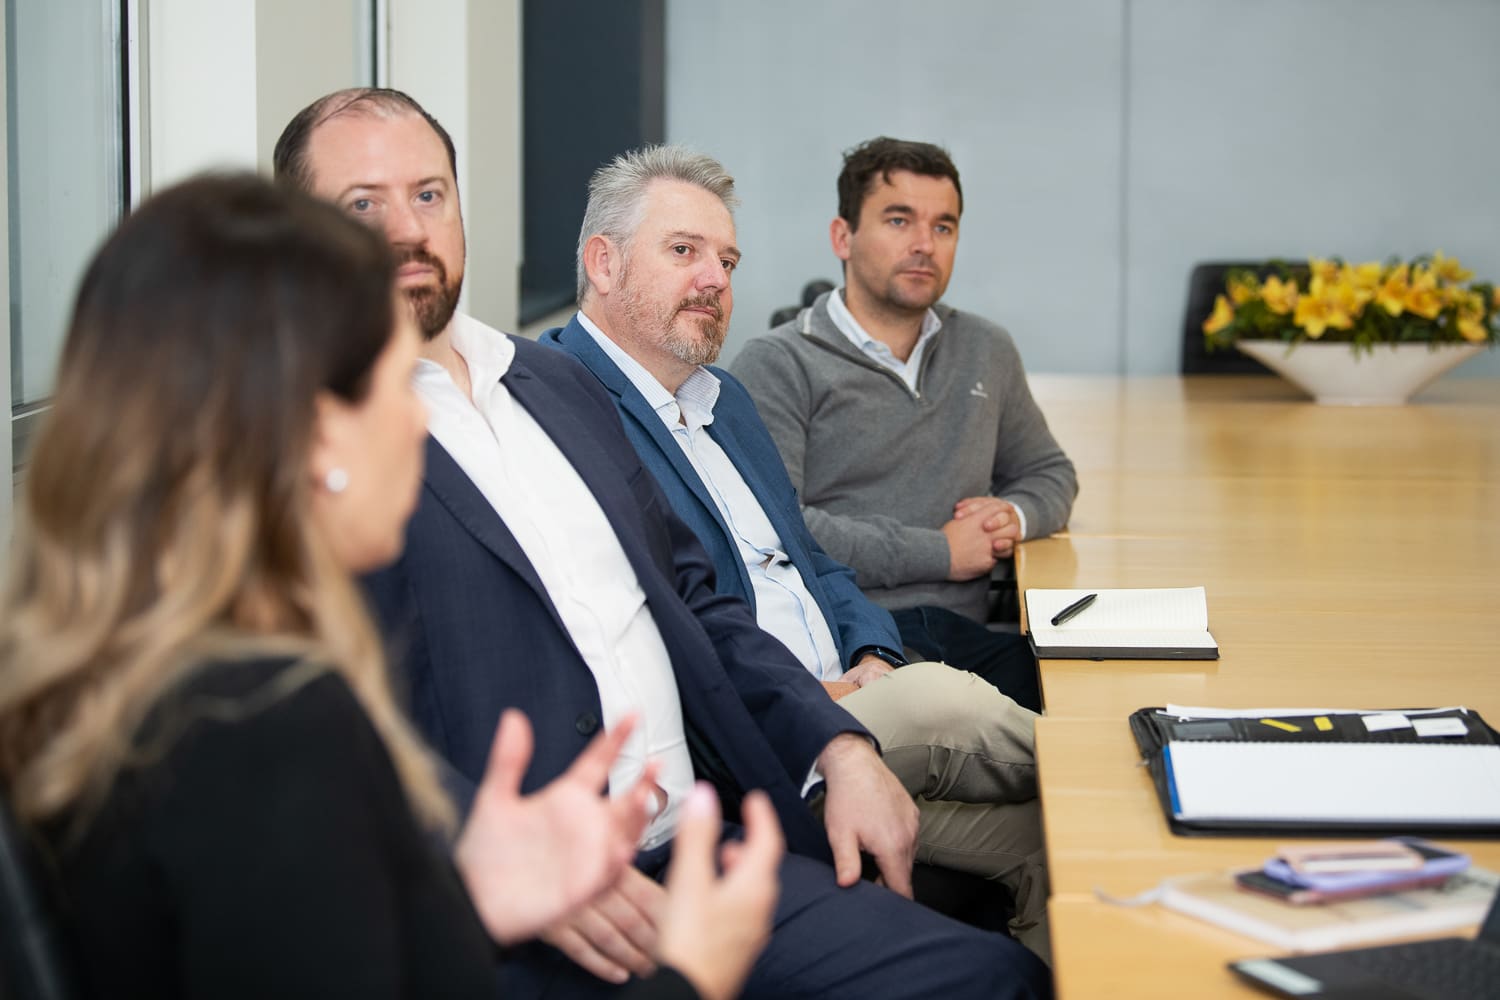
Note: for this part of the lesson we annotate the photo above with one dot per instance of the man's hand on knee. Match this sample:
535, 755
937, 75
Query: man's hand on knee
869, 669
866, 808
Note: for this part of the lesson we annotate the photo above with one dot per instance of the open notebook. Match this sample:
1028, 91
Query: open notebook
1165, 624
1433, 785
1323, 771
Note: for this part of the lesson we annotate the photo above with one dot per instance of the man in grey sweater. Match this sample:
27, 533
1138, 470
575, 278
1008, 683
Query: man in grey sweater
907, 427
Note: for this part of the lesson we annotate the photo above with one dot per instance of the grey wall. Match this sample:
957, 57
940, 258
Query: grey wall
1105, 145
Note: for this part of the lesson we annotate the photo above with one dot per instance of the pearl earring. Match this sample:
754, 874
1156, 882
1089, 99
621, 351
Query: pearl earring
337, 481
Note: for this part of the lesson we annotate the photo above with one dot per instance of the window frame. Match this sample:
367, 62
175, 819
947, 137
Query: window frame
124, 35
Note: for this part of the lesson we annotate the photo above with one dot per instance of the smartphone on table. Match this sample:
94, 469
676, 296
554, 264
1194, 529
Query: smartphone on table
1278, 877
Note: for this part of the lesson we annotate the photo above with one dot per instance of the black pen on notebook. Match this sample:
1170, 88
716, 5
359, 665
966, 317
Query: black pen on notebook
1073, 609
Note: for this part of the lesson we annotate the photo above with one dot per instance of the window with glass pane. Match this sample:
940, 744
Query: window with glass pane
65, 131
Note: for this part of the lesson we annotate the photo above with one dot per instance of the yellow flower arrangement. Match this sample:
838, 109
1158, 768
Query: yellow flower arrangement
1426, 300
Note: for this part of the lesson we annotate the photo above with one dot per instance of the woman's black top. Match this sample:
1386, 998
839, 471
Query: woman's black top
262, 845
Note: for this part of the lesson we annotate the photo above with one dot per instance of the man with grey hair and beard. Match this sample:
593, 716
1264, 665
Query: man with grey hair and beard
656, 258
544, 571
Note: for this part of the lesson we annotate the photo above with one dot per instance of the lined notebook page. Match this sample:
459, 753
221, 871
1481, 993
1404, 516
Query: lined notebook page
1176, 609
1378, 782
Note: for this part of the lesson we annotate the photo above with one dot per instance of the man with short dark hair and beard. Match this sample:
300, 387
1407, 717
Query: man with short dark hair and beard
906, 425
656, 258
544, 570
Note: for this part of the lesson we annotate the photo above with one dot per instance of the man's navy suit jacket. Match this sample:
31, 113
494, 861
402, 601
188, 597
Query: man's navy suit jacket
473, 626
855, 619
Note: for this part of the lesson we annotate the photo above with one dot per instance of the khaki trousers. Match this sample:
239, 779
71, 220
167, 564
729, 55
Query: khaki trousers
967, 754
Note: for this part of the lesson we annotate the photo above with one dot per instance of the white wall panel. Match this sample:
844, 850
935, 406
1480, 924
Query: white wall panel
201, 87
303, 50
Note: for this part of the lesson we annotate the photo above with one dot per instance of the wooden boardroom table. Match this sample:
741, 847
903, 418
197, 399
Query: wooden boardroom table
1351, 558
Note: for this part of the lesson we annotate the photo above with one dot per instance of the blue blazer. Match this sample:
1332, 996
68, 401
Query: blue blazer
477, 633
857, 621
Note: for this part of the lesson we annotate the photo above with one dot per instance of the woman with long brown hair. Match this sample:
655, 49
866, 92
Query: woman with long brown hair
195, 717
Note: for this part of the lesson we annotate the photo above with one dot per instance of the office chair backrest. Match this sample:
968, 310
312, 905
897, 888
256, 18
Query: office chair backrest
33, 959
784, 315
810, 293
813, 289
1206, 282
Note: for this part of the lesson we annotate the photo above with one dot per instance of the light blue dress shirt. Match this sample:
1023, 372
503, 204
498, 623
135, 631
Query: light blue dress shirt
784, 606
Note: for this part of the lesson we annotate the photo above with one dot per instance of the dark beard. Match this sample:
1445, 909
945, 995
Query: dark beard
897, 299
434, 307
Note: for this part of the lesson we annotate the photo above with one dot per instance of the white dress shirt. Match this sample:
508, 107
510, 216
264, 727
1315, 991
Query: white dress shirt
568, 540
907, 371
784, 606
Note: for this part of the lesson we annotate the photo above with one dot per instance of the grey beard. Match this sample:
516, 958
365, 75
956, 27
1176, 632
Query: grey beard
696, 352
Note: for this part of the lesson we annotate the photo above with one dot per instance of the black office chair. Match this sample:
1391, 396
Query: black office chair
810, 293
35, 963
1003, 601
784, 315
1206, 282
813, 289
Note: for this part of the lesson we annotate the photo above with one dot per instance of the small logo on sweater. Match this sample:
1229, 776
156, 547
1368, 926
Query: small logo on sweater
978, 390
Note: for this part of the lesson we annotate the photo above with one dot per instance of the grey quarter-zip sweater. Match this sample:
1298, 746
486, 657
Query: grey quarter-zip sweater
879, 467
